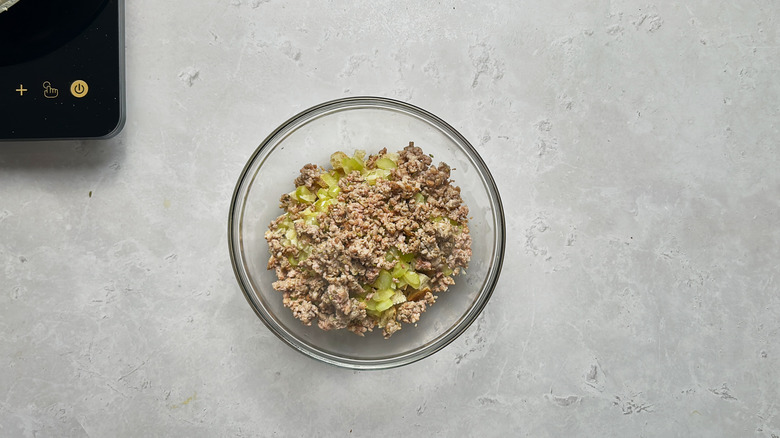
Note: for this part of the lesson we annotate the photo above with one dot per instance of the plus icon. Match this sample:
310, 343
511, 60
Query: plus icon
21, 90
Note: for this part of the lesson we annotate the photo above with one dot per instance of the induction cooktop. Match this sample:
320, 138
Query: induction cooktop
61, 69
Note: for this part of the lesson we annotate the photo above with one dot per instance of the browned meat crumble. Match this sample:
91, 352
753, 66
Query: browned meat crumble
369, 243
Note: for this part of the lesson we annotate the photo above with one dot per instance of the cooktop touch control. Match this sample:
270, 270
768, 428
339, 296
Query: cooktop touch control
57, 81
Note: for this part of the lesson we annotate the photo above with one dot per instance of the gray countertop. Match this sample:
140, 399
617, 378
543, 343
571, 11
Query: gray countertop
635, 145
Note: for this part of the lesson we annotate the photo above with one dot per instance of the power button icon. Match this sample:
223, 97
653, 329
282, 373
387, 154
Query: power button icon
79, 88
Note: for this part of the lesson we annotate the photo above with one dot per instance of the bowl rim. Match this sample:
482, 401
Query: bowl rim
433, 346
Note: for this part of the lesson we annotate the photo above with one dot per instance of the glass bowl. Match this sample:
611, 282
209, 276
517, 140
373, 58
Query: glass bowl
368, 123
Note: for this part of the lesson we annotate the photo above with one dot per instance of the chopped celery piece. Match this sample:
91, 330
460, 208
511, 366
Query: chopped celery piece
384, 281
322, 193
446, 271
392, 254
370, 305
398, 297
413, 279
424, 280
333, 192
373, 313
350, 165
373, 175
419, 198
379, 173
337, 158
329, 179
399, 270
323, 204
291, 235
304, 195
401, 284
407, 258
385, 163
360, 155
309, 217
383, 295
384, 305
292, 260
371, 178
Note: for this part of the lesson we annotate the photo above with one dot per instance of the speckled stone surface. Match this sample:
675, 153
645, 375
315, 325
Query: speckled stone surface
636, 148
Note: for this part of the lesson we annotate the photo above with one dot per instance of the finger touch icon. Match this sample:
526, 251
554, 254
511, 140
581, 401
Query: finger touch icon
50, 92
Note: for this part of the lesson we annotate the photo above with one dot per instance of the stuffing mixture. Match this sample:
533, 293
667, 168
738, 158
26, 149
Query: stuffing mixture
369, 242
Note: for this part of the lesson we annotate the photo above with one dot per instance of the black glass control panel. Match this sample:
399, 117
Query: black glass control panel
62, 69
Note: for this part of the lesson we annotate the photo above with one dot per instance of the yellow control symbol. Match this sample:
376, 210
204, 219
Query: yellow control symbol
50, 92
79, 88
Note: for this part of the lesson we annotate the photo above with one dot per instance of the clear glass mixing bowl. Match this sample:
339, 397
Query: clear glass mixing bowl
368, 123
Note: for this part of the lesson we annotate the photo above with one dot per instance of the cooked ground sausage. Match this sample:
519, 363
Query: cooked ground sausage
370, 242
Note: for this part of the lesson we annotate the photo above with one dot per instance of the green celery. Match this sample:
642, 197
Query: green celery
323, 204
384, 305
350, 165
337, 158
399, 270
412, 279
382, 295
407, 258
329, 179
304, 195
386, 163
291, 236
392, 254
398, 297
384, 280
